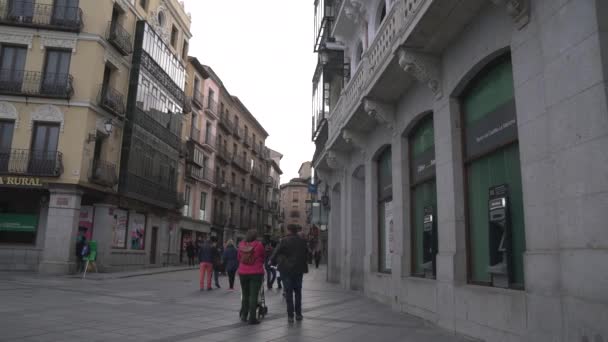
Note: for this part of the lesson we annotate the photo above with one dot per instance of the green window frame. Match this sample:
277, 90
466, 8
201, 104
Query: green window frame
423, 195
492, 159
385, 200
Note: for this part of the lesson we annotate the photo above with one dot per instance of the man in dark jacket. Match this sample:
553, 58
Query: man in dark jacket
206, 254
290, 256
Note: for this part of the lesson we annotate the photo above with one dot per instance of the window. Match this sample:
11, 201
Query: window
12, 63
18, 219
143, 4
187, 212
21, 9
202, 214
185, 50
65, 12
174, 36
161, 19
358, 53
43, 154
493, 173
56, 72
6, 139
295, 196
294, 214
381, 14
385, 211
197, 85
423, 194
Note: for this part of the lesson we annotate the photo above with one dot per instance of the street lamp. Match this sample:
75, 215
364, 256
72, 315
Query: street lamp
108, 126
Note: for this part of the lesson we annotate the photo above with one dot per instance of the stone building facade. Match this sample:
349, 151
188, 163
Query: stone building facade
463, 149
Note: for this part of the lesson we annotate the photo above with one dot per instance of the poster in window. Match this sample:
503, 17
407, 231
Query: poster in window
389, 233
119, 228
137, 231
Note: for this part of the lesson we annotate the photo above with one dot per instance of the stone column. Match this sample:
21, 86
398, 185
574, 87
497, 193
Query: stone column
58, 256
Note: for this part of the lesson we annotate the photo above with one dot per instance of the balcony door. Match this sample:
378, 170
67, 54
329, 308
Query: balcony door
21, 11
43, 154
12, 63
56, 72
6, 138
65, 12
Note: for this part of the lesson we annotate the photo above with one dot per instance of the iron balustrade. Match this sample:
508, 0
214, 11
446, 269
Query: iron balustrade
152, 191
195, 134
31, 162
47, 16
120, 38
211, 105
225, 122
247, 140
209, 141
238, 131
36, 84
111, 100
240, 161
142, 119
104, 173
187, 108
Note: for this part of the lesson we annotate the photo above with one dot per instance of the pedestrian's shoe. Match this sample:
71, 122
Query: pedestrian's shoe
218, 286
299, 318
290, 319
202, 289
209, 289
253, 322
243, 319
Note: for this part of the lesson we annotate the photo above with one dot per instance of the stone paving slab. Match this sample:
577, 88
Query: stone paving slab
169, 307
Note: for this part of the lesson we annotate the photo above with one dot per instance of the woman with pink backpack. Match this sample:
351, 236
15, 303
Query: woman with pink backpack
251, 255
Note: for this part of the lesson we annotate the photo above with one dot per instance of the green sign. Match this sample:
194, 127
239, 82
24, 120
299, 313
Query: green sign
18, 222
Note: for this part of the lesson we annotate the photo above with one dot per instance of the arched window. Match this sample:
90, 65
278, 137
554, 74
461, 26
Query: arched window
495, 214
423, 192
359, 53
385, 210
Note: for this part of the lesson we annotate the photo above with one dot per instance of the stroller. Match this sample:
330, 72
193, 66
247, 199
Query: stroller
262, 309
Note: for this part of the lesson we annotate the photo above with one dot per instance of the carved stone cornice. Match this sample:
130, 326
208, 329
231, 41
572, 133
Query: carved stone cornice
354, 138
423, 67
335, 160
47, 113
383, 113
519, 10
16, 38
8, 111
60, 42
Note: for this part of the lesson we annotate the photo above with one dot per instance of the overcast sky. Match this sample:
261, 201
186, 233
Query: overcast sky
262, 51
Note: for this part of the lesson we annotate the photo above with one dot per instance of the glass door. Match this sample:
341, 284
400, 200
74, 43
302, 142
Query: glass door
12, 63
43, 154
6, 138
65, 12
56, 72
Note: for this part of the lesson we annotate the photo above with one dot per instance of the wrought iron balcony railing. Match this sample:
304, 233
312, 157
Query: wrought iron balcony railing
225, 122
36, 84
104, 173
222, 152
240, 162
151, 191
144, 120
238, 131
211, 106
198, 99
209, 141
111, 100
48, 16
199, 173
120, 38
31, 162
195, 134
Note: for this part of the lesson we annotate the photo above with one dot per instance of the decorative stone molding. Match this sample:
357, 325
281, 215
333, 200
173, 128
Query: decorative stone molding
162, 29
47, 113
16, 38
123, 4
58, 42
335, 160
113, 58
355, 10
353, 138
519, 10
8, 111
423, 67
382, 112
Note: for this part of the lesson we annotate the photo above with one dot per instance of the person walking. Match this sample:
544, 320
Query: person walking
290, 256
205, 257
81, 243
231, 262
271, 273
190, 249
217, 263
251, 274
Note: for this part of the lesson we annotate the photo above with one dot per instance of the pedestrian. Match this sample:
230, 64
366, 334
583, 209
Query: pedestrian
251, 273
81, 243
190, 249
290, 256
205, 257
271, 272
316, 252
231, 262
217, 263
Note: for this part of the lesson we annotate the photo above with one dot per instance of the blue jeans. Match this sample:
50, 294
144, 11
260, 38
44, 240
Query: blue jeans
293, 286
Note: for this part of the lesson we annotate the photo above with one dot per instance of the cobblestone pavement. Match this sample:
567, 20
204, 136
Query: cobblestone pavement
169, 307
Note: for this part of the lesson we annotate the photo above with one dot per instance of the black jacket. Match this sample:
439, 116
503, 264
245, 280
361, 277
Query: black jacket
291, 255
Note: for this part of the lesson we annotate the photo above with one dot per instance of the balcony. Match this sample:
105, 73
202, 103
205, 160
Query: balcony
150, 191
210, 106
31, 163
221, 185
41, 16
234, 189
240, 162
195, 134
324, 19
258, 174
247, 141
104, 173
119, 38
198, 99
200, 174
223, 154
111, 100
265, 152
238, 131
225, 122
187, 108
151, 125
209, 142
36, 84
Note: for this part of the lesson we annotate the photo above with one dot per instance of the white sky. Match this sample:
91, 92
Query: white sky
263, 52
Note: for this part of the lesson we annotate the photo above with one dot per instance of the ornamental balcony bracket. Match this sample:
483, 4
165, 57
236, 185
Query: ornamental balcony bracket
335, 160
519, 10
355, 139
423, 67
354, 10
382, 112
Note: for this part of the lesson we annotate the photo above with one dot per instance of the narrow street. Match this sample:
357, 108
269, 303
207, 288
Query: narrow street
169, 307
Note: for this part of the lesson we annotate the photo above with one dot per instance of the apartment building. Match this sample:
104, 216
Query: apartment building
272, 209
294, 197
460, 144
69, 115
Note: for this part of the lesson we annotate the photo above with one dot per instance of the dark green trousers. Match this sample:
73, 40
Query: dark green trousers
250, 287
